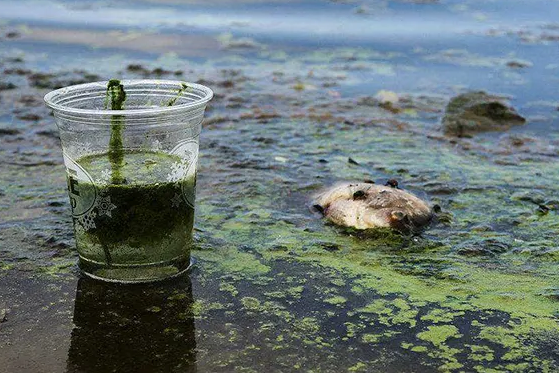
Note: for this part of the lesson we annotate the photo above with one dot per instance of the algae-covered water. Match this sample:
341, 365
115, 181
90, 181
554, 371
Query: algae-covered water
145, 222
297, 108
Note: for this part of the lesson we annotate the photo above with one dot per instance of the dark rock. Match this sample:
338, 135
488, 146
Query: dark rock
158, 71
515, 140
534, 197
389, 106
482, 228
55, 81
14, 59
279, 248
264, 140
227, 84
352, 161
12, 34
48, 133
9, 131
216, 119
434, 187
474, 112
41, 80
205, 82
233, 105
136, 68
517, 64
551, 293
237, 99
549, 37
426, 268
30, 100
330, 246
486, 247
29, 116
17, 71
6, 86
256, 164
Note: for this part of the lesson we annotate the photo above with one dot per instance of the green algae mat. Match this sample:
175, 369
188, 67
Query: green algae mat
276, 288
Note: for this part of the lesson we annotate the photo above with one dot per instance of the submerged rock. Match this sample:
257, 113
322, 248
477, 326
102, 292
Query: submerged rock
474, 112
483, 247
62, 79
364, 206
533, 196
7, 86
551, 293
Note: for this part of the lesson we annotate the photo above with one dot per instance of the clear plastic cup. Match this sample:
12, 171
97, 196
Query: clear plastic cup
131, 174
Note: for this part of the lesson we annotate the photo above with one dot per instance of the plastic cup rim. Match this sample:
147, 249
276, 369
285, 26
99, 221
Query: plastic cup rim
49, 98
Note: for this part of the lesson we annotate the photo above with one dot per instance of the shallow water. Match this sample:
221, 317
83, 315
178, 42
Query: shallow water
275, 288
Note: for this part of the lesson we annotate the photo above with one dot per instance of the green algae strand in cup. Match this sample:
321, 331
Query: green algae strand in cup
116, 95
131, 151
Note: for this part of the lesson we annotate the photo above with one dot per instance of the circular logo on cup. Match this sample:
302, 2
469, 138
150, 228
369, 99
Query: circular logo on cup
81, 189
188, 152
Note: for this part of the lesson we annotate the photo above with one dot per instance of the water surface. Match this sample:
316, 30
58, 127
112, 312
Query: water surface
275, 288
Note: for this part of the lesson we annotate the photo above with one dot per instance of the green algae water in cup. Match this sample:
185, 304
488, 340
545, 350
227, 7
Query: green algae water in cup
131, 150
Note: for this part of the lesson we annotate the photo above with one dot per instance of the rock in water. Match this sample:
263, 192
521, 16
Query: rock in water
474, 112
364, 206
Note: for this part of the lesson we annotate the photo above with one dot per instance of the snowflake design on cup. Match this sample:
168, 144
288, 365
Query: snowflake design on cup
104, 206
104, 178
178, 171
81, 149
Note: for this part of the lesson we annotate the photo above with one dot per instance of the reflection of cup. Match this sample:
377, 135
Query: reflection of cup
133, 328
131, 173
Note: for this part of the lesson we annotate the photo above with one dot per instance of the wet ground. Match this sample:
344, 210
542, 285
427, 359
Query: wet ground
296, 108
